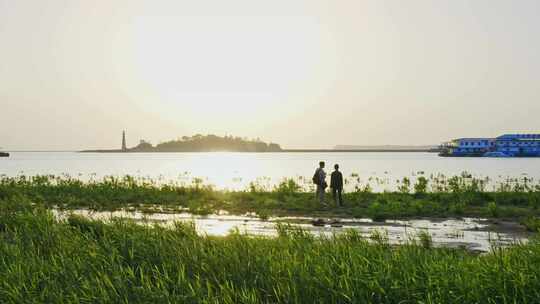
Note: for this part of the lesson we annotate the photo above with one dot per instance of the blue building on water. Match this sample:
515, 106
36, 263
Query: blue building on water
508, 145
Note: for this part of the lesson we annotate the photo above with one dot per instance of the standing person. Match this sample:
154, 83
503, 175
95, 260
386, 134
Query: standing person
336, 183
319, 179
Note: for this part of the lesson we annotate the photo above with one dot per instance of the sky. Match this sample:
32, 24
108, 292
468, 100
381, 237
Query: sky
304, 74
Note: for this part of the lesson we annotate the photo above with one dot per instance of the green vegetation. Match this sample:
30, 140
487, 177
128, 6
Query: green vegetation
43, 260
424, 197
532, 223
208, 143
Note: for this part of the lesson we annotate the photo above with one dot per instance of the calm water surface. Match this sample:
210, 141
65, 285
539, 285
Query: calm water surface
236, 170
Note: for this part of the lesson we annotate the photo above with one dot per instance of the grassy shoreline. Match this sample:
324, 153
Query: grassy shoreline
76, 260
44, 260
433, 197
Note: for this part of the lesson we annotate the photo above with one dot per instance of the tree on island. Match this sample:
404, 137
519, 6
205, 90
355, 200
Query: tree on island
208, 143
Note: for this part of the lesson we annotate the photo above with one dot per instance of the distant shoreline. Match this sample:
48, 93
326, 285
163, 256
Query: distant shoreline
282, 151
356, 150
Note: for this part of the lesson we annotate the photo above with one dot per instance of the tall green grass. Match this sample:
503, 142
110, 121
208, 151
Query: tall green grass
82, 261
433, 196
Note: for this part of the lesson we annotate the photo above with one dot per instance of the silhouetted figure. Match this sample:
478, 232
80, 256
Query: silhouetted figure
336, 183
319, 179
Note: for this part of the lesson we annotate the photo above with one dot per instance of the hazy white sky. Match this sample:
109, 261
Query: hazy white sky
310, 73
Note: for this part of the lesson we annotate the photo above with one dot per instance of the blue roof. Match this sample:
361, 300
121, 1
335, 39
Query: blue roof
518, 136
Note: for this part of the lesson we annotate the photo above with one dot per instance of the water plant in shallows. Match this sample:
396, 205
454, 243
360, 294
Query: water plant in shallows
532, 223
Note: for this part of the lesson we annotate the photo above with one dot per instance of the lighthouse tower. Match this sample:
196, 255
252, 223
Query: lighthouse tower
124, 147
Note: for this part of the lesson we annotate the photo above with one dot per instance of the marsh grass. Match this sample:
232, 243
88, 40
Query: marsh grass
43, 260
532, 223
419, 196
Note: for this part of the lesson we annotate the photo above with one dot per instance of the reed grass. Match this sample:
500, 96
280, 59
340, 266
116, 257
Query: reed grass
433, 196
44, 260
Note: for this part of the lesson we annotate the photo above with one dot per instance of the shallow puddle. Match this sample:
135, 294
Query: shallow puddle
472, 233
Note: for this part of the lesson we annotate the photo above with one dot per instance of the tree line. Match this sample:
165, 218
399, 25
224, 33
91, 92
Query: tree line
208, 143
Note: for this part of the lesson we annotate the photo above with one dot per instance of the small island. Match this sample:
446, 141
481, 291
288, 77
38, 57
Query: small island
198, 143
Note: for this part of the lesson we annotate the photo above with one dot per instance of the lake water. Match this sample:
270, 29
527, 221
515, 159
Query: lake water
473, 234
236, 170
